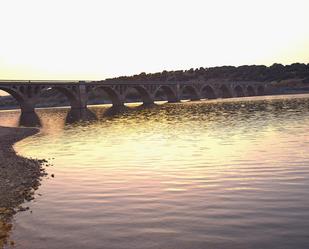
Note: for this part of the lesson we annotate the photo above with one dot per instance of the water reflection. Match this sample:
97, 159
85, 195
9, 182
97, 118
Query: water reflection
77, 115
29, 120
112, 112
186, 175
82, 115
118, 111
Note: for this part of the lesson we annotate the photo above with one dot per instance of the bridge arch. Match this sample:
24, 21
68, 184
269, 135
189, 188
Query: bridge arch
18, 97
67, 92
18, 94
189, 92
250, 91
239, 92
112, 94
208, 92
144, 94
169, 93
225, 92
260, 90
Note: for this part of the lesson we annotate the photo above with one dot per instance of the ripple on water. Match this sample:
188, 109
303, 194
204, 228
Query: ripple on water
216, 174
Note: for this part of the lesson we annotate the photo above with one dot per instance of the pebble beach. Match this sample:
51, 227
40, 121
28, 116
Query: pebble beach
19, 178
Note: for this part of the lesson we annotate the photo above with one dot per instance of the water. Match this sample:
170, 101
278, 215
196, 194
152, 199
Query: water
217, 174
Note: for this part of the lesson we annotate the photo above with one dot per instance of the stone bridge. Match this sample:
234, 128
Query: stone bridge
27, 93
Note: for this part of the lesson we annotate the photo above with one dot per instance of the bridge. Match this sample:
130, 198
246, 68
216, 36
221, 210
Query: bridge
27, 93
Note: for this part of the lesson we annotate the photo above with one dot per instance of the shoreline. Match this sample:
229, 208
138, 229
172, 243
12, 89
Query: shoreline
19, 177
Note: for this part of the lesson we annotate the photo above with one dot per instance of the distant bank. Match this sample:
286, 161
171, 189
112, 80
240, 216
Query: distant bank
283, 79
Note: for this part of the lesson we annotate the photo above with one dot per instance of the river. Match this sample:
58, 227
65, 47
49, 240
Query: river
218, 174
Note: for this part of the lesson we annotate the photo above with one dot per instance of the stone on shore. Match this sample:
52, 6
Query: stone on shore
19, 178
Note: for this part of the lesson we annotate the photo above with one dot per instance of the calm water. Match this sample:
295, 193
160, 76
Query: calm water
218, 174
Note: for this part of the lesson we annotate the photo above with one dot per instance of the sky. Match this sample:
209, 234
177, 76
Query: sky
93, 40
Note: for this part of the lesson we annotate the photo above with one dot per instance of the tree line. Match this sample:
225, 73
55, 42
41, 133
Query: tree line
275, 72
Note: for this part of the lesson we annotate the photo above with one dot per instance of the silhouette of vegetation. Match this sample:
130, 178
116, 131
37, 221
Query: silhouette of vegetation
276, 72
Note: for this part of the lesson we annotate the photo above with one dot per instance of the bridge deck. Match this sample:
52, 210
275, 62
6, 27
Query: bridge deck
72, 82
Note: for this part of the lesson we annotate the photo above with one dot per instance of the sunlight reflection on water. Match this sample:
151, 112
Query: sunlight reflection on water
217, 174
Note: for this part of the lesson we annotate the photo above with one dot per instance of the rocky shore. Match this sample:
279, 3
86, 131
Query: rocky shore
19, 177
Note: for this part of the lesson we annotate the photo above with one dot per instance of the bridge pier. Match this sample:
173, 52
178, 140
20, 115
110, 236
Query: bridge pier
27, 99
174, 100
27, 106
148, 102
80, 98
29, 119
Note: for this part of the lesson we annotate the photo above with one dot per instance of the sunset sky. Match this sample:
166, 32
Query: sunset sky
62, 39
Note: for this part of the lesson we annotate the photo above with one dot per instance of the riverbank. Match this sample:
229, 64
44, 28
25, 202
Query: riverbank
19, 177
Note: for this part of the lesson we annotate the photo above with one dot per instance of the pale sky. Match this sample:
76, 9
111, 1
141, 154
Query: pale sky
63, 39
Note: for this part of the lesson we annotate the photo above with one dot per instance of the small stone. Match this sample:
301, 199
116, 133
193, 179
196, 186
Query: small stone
2, 235
22, 209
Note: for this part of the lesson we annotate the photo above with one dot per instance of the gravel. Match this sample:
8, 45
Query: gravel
19, 178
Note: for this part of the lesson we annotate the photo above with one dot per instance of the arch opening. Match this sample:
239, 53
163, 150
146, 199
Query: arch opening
208, 92
104, 95
12, 99
225, 92
250, 91
239, 91
55, 96
165, 93
189, 93
138, 94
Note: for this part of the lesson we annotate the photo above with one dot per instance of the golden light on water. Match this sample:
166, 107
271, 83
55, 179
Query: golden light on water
160, 142
174, 173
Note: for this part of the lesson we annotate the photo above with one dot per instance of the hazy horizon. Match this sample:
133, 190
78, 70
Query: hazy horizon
94, 40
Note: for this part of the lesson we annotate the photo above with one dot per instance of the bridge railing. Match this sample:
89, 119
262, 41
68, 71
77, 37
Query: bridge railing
66, 82
41, 81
